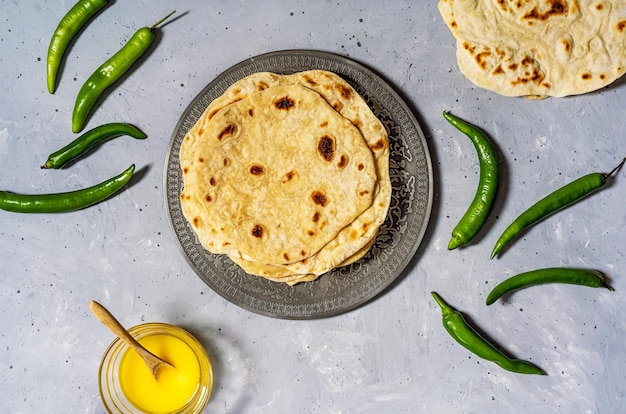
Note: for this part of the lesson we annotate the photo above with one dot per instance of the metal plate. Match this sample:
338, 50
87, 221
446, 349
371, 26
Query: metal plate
344, 288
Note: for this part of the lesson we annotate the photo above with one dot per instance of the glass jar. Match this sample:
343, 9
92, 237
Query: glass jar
111, 382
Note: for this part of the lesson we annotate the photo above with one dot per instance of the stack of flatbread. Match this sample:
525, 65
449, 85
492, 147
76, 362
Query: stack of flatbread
538, 48
288, 175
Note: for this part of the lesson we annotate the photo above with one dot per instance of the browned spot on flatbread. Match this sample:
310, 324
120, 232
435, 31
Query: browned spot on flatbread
310, 81
532, 73
257, 231
497, 70
467, 46
326, 148
566, 45
230, 129
343, 161
285, 103
481, 58
381, 144
226, 162
257, 170
621, 26
319, 198
344, 92
196, 221
251, 111
185, 170
586, 76
316, 217
212, 181
557, 8
360, 166
208, 198
286, 256
261, 86
289, 176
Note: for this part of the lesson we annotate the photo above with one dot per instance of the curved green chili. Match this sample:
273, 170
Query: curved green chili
110, 71
89, 140
477, 213
552, 203
464, 334
74, 20
68, 201
582, 277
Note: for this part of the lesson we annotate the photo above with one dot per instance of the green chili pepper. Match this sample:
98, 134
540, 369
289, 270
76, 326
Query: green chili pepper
68, 201
110, 71
75, 19
583, 277
89, 140
477, 213
464, 334
552, 203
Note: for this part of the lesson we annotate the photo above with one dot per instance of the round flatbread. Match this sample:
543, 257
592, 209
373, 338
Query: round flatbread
350, 104
539, 48
274, 177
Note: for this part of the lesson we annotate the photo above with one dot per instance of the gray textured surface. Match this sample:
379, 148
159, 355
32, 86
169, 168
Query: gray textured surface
390, 355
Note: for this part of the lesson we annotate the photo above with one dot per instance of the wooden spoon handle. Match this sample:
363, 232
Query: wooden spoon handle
113, 324
154, 363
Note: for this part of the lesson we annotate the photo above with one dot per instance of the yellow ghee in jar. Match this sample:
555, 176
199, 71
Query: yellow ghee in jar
174, 387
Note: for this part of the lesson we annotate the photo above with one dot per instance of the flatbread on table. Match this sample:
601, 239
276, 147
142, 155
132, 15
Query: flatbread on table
538, 48
341, 96
276, 176
355, 239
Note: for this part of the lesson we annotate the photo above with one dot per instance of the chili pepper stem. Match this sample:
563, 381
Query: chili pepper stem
614, 170
154, 26
444, 306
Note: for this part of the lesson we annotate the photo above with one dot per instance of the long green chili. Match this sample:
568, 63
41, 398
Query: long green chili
89, 140
479, 209
110, 71
557, 200
464, 334
67, 201
73, 21
572, 276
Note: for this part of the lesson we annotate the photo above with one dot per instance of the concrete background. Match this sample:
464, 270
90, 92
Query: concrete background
390, 355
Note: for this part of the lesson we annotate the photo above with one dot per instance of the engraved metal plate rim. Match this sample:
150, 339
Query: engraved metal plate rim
346, 288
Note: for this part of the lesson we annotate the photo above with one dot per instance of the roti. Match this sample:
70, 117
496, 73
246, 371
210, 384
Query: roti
274, 177
350, 104
539, 48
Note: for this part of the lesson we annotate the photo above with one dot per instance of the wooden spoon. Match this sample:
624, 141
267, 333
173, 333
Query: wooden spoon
155, 364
